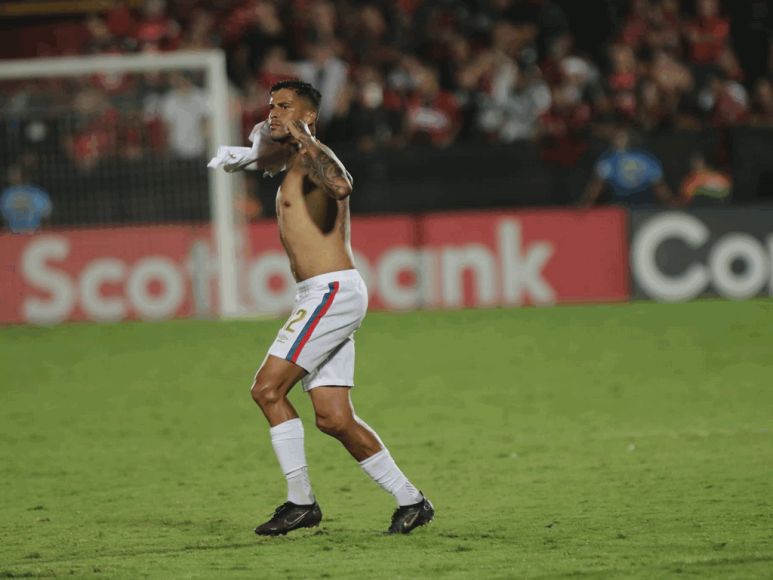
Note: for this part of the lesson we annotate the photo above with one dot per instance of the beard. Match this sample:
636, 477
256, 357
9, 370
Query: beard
282, 137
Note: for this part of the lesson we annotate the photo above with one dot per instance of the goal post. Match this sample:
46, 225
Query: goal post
221, 184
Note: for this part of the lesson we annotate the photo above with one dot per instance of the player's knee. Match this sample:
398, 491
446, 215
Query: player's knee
334, 424
265, 393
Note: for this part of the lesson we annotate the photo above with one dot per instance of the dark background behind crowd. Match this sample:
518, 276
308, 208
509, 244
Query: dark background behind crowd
519, 95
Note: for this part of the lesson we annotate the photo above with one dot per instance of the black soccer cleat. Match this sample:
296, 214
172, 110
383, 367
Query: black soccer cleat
408, 517
289, 517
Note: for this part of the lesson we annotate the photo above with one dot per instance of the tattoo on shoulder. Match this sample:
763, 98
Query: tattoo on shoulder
327, 172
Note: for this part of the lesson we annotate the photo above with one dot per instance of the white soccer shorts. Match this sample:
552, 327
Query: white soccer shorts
318, 336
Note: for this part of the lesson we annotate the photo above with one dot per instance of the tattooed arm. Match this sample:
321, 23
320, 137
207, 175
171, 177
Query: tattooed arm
324, 168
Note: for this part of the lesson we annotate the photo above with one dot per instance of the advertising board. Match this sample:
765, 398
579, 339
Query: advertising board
679, 255
446, 261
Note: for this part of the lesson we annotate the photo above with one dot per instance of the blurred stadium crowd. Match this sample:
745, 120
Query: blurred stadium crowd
394, 72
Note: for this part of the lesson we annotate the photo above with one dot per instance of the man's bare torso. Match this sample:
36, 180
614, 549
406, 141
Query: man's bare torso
313, 227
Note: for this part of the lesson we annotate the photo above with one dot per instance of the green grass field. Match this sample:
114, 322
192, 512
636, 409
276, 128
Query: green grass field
616, 441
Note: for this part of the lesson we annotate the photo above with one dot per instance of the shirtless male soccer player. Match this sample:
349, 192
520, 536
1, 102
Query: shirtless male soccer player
316, 344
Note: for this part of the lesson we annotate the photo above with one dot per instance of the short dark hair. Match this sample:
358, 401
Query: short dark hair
302, 89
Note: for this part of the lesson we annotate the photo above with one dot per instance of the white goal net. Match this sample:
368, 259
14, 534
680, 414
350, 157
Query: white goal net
124, 141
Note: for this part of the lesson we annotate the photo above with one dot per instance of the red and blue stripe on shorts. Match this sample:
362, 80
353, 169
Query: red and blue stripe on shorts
309, 327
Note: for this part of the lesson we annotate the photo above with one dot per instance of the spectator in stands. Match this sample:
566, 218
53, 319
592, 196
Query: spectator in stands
672, 11
238, 22
724, 102
528, 54
517, 102
579, 72
156, 31
726, 68
433, 22
239, 66
460, 56
551, 20
185, 112
321, 24
623, 80
132, 136
23, 205
274, 67
602, 111
372, 124
564, 128
265, 30
559, 48
707, 34
329, 74
120, 21
152, 89
630, 175
507, 40
184, 11
704, 185
253, 106
474, 73
121, 88
549, 15
96, 129
340, 129
728, 64
373, 39
651, 115
664, 28
200, 32
432, 115
500, 84
635, 27
99, 35
564, 132
673, 80
70, 38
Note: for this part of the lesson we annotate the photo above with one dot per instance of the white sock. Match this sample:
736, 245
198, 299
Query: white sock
384, 471
287, 439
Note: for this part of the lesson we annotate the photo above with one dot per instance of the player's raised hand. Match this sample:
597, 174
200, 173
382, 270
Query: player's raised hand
298, 129
232, 164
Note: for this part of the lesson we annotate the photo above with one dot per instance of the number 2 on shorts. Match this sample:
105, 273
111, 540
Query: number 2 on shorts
301, 313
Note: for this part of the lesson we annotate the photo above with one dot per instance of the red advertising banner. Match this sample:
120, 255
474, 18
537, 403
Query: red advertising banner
538, 257
464, 259
101, 275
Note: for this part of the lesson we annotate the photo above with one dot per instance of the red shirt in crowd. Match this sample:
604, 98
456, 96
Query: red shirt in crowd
623, 81
567, 144
120, 21
158, 34
239, 22
435, 117
551, 71
113, 83
731, 106
392, 100
407, 7
623, 86
97, 138
634, 32
712, 34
